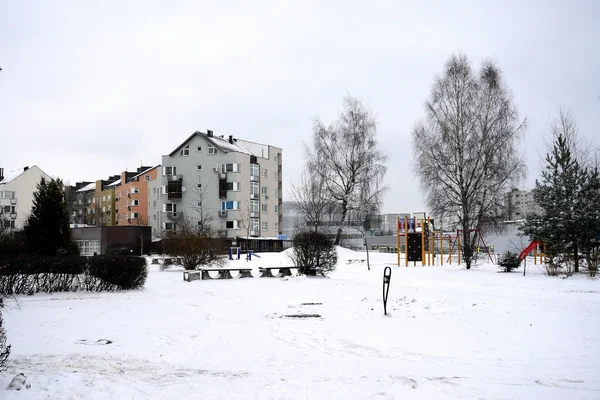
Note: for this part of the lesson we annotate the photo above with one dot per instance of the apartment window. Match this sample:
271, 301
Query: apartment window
264, 190
199, 204
265, 173
103, 209
264, 226
212, 150
170, 207
254, 188
154, 218
198, 148
154, 190
264, 208
103, 198
135, 190
198, 167
254, 225
275, 192
276, 209
231, 224
254, 206
154, 203
147, 178
108, 197
276, 227
135, 202
134, 215
276, 175
276, 158
230, 205
7, 209
199, 186
254, 170
163, 189
169, 170
185, 151
233, 186
231, 167
169, 226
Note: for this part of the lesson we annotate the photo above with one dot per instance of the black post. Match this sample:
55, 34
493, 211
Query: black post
387, 275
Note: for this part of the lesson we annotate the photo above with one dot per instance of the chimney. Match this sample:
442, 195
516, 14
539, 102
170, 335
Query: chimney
231, 139
1, 173
25, 168
209, 133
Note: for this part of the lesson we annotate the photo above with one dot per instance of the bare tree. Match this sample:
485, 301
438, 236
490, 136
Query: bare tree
346, 157
311, 199
465, 151
245, 221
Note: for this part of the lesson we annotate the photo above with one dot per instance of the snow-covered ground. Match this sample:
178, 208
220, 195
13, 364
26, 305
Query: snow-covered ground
452, 334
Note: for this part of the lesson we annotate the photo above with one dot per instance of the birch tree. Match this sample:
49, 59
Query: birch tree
465, 149
346, 157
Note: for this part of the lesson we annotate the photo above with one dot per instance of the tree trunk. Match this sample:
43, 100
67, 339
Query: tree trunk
338, 236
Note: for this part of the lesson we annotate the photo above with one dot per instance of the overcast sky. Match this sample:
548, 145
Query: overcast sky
89, 89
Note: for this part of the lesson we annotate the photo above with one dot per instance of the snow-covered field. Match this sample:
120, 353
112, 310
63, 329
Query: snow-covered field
452, 334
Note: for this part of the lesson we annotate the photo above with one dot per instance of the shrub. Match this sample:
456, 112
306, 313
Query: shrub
32, 274
4, 348
120, 272
313, 253
509, 261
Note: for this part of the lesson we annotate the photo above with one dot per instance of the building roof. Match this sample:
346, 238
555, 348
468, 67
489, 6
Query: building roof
115, 183
12, 175
143, 172
88, 187
219, 142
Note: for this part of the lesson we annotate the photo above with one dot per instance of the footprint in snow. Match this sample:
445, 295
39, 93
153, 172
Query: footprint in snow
100, 342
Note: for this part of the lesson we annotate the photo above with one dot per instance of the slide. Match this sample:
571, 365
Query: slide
528, 249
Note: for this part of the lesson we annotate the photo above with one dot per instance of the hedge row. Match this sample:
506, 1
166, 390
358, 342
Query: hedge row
33, 274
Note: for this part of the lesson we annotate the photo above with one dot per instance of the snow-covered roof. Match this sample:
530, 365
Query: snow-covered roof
224, 145
87, 188
220, 142
115, 183
143, 172
10, 175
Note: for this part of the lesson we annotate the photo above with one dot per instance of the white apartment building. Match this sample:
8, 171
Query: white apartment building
237, 184
521, 204
17, 188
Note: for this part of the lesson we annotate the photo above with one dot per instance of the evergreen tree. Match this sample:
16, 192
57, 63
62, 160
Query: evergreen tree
562, 195
47, 231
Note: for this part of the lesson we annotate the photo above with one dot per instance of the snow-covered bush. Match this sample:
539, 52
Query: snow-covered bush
509, 261
32, 274
313, 253
119, 272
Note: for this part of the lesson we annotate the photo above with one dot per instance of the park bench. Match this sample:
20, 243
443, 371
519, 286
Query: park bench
225, 273
267, 272
356, 260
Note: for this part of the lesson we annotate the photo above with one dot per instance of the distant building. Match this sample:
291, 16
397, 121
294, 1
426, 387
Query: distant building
132, 196
17, 188
521, 204
354, 229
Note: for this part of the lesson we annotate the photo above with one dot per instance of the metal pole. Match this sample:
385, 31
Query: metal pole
387, 276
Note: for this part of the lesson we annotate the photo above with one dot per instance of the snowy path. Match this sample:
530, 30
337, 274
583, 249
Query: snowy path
452, 334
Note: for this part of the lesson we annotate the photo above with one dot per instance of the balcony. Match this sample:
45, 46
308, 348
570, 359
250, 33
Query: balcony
171, 214
254, 178
174, 178
174, 189
254, 196
13, 201
13, 215
254, 233
253, 214
223, 213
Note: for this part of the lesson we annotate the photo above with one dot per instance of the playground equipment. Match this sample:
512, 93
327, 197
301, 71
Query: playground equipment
250, 254
235, 250
533, 246
419, 245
